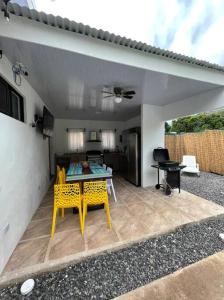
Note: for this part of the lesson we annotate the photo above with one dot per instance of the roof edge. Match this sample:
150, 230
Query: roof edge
86, 30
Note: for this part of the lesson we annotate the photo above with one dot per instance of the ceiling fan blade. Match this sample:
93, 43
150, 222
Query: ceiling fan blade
106, 92
127, 97
129, 93
108, 96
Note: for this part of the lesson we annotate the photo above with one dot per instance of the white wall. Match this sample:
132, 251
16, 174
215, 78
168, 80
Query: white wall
152, 125
24, 177
60, 138
204, 102
133, 122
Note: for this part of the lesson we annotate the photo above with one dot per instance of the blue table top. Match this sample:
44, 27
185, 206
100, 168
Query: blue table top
75, 172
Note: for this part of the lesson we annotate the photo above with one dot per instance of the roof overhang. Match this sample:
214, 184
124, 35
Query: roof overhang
24, 29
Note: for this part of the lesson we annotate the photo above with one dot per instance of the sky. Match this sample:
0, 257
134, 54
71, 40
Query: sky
191, 27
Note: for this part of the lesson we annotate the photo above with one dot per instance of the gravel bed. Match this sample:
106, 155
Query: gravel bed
109, 275
209, 186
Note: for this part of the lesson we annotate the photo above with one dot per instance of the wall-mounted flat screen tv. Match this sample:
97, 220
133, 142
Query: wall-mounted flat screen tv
48, 122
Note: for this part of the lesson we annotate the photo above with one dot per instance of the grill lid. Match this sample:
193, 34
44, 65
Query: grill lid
161, 154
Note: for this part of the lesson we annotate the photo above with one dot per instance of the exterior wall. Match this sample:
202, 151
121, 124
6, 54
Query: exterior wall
204, 102
24, 172
152, 125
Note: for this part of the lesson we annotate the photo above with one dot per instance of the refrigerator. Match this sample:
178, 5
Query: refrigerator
131, 140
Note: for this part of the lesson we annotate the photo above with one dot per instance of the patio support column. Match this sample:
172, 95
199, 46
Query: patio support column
152, 125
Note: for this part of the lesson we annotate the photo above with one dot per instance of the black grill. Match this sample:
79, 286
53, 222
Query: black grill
171, 168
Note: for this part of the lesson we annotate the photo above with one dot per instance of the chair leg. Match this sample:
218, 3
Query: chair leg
54, 221
80, 219
108, 215
63, 212
84, 215
109, 190
112, 186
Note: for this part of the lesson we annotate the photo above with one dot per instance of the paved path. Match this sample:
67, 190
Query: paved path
203, 280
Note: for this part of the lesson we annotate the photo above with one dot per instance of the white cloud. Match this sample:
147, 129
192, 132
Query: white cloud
190, 27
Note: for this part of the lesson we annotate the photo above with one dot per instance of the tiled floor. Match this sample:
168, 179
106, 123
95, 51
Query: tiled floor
139, 213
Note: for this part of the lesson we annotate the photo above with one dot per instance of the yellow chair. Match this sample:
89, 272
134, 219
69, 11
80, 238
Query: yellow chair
57, 178
95, 193
61, 180
66, 196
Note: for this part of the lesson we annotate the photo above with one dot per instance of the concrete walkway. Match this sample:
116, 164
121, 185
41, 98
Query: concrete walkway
203, 280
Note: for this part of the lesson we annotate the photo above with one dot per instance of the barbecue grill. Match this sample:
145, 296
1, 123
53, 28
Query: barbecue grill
171, 168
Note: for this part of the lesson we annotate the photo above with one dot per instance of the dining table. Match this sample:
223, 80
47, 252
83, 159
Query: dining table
76, 173
94, 171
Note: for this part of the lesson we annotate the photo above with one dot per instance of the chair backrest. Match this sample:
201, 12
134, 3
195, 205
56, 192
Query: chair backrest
65, 195
104, 166
95, 192
109, 170
189, 160
57, 178
64, 174
61, 176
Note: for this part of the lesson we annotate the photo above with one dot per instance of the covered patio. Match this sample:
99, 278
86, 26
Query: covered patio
69, 65
139, 214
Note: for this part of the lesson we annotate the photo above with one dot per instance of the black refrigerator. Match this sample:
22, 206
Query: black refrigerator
131, 141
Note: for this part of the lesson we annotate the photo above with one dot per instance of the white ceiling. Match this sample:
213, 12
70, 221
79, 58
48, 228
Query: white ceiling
71, 83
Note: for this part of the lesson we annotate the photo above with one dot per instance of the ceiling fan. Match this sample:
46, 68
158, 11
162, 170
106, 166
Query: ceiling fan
119, 93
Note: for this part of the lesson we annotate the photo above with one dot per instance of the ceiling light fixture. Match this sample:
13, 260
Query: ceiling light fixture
118, 99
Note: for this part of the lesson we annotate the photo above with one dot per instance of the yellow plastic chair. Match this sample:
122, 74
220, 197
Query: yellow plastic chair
61, 180
57, 178
95, 193
66, 196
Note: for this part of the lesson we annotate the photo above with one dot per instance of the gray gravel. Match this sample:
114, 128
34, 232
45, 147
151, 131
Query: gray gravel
209, 186
112, 274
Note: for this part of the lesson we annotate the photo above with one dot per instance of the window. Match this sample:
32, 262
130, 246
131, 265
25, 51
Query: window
11, 102
75, 140
108, 139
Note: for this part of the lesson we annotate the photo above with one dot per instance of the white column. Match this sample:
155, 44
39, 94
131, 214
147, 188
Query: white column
152, 125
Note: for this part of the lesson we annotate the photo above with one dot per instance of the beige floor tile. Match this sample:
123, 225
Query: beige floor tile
49, 201
43, 213
156, 223
95, 217
128, 231
118, 214
176, 217
66, 243
37, 229
138, 209
28, 253
69, 222
99, 236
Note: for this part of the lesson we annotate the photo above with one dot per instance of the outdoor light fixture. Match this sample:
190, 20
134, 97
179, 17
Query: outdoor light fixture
19, 69
118, 99
5, 10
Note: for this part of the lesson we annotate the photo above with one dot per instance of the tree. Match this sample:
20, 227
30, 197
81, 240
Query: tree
167, 127
199, 122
